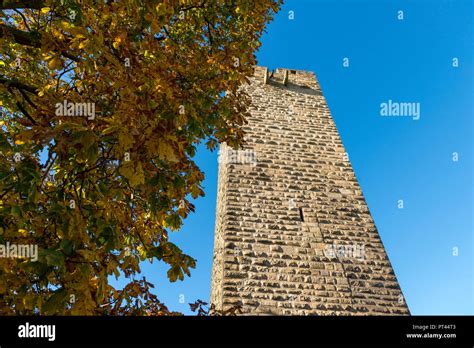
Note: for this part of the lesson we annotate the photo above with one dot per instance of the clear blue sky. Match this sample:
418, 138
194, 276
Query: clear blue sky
407, 60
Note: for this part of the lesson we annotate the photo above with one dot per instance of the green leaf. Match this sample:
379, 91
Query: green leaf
156, 252
33, 195
4, 144
56, 303
67, 246
175, 273
53, 257
16, 211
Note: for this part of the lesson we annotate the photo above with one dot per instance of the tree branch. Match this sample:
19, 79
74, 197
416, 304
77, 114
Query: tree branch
25, 96
17, 84
24, 19
70, 56
31, 39
10, 4
22, 108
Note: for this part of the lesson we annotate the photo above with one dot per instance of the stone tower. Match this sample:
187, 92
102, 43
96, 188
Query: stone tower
294, 235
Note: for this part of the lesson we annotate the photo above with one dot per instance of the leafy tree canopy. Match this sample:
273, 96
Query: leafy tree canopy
102, 106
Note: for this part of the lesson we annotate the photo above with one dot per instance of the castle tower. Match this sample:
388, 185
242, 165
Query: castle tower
294, 235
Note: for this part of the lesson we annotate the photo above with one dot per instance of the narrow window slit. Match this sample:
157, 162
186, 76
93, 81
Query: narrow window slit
301, 214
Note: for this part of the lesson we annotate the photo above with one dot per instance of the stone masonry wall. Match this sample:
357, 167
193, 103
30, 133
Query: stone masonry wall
294, 235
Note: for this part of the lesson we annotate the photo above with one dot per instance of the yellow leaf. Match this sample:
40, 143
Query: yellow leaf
117, 42
56, 33
45, 10
142, 252
125, 139
148, 54
138, 177
55, 63
109, 130
134, 173
66, 25
23, 232
29, 301
19, 142
83, 44
160, 9
152, 147
166, 152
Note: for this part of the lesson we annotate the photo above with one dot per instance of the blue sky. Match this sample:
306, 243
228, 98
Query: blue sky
394, 158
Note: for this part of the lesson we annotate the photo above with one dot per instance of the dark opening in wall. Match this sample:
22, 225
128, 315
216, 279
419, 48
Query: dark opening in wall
301, 214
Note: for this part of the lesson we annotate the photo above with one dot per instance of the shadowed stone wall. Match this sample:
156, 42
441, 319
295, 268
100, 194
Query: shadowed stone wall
294, 235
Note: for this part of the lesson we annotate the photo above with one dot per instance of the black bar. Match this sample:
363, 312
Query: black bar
241, 330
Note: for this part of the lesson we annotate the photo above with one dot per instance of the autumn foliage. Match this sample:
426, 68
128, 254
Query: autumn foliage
103, 104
